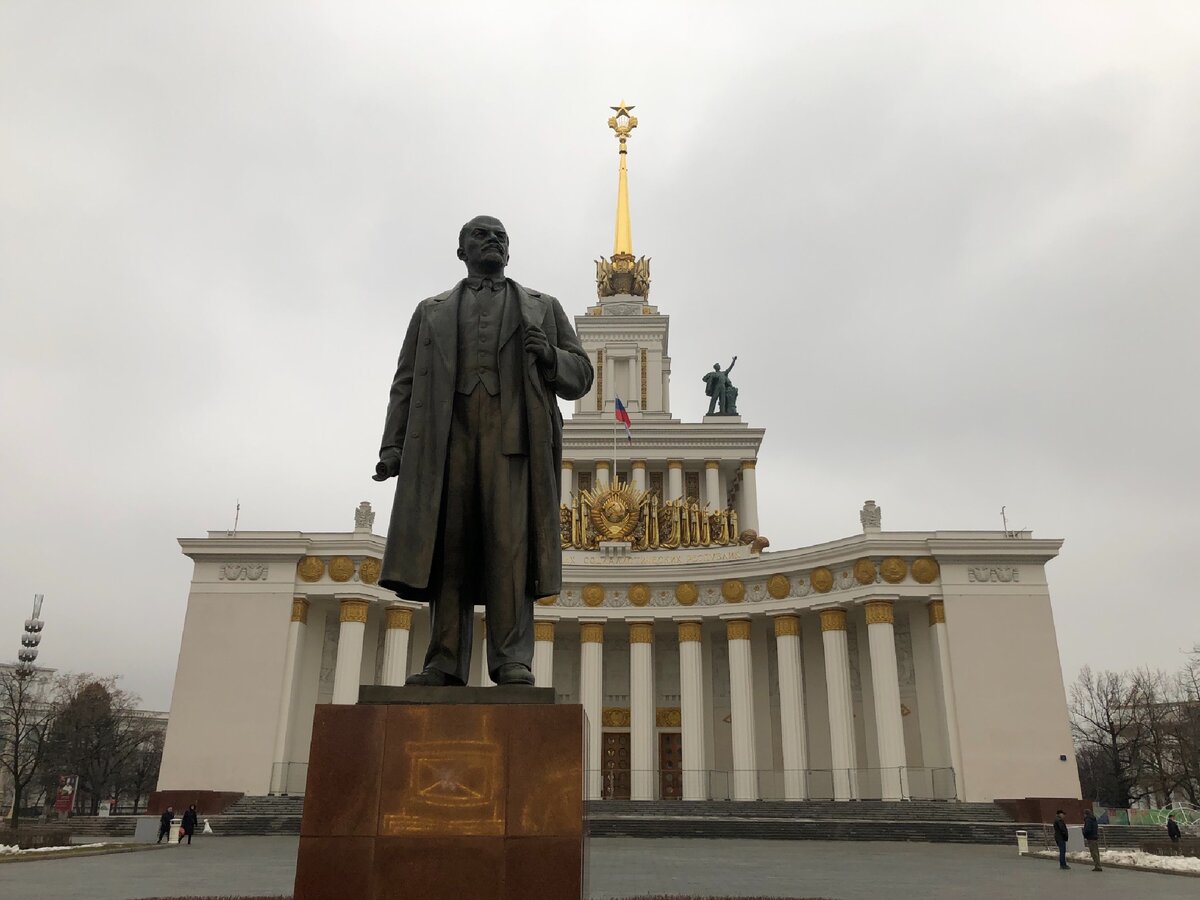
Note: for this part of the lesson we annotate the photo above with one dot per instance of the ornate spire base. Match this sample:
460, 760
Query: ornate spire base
623, 274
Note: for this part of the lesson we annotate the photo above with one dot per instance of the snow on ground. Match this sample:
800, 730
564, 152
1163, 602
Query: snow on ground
1134, 858
12, 849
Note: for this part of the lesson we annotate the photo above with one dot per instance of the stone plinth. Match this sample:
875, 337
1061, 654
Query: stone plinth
439, 801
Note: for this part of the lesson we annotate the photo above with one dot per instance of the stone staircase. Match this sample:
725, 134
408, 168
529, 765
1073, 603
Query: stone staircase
972, 823
865, 820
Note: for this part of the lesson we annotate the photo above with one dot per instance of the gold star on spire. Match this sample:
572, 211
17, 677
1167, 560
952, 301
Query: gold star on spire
622, 110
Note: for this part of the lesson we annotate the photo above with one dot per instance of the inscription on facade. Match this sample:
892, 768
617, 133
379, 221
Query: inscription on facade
993, 574
242, 571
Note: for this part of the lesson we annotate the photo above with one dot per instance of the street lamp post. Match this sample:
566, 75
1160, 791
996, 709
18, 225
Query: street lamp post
25, 669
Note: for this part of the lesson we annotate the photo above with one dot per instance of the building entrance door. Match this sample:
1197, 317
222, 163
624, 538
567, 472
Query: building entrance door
670, 765
614, 769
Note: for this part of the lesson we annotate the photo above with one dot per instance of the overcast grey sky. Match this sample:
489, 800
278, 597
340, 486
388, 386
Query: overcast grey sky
954, 246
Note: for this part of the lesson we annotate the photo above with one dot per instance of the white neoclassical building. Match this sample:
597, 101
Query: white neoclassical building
879, 664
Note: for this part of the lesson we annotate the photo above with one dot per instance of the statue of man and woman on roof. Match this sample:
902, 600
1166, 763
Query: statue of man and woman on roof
720, 389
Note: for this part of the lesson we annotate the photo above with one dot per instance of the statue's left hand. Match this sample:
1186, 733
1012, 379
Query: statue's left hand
538, 344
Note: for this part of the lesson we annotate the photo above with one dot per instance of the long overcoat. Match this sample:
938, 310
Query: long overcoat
418, 424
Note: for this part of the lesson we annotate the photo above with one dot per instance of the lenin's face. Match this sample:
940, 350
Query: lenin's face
483, 245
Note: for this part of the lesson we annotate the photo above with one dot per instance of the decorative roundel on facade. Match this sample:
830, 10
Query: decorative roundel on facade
548, 601
925, 570
864, 571
593, 594
822, 580
686, 593
893, 569
778, 586
639, 594
733, 591
341, 568
368, 570
310, 568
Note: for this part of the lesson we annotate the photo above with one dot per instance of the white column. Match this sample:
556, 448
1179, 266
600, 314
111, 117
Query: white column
748, 517
841, 712
602, 472
568, 473
712, 485
353, 617
674, 479
643, 771
941, 649
397, 628
485, 674
885, 684
639, 474
741, 705
543, 653
791, 707
591, 695
291, 671
691, 711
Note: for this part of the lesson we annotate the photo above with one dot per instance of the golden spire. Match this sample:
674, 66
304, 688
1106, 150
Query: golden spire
623, 274
623, 243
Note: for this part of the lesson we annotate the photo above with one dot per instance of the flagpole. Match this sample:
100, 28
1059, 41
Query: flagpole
614, 471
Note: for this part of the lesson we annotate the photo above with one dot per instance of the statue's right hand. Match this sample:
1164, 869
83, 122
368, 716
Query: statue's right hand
388, 465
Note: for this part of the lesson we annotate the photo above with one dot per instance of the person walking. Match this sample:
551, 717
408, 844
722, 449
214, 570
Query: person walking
1060, 837
164, 825
1173, 829
1091, 834
188, 826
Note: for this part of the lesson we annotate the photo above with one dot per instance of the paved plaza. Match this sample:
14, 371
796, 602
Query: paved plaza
622, 867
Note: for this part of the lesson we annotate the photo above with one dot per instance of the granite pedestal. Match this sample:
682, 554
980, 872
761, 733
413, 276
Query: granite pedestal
411, 797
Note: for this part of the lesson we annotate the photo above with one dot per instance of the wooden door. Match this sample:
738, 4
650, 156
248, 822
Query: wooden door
670, 765
614, 769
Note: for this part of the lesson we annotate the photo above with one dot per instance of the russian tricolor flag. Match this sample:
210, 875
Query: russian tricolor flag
623, 418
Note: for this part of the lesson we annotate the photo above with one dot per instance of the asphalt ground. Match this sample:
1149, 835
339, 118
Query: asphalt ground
622, 867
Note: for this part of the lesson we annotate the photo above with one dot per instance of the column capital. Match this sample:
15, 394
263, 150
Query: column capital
712, 464
353, 610
937, 611
880, 608
602, 464
749, 464
674, 463
591, 633
737, 629
880, 612
641, 632
543, 630
399, 617
833, 618
638, 464
300, 610
690, 631
787, 625
568, 464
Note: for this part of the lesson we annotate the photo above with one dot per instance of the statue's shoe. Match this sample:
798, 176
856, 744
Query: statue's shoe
433, 678
513, 673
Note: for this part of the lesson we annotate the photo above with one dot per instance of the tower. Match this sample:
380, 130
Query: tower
710, 463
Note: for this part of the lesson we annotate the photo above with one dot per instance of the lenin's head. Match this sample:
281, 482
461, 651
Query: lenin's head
483, 246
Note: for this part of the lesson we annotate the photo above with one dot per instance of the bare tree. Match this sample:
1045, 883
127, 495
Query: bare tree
97, 735
26, 714
1108, 723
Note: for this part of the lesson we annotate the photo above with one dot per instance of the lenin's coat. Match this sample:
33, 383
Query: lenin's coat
418, 424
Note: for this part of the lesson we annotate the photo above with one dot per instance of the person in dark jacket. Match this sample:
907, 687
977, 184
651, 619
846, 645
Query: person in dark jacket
188, 825
1060, 837
164, 825
1091, 834
1173, 829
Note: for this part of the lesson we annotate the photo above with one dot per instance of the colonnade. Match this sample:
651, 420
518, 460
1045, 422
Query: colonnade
885, 687
747, 500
